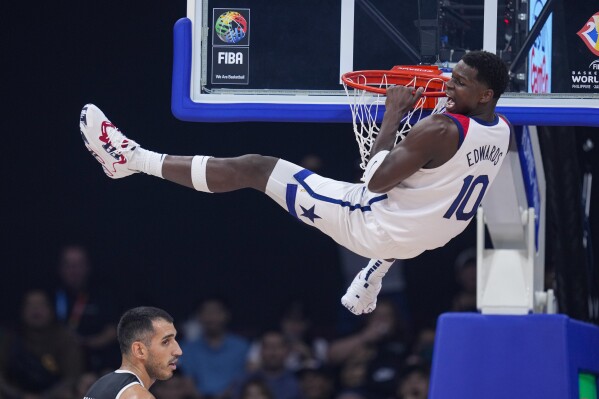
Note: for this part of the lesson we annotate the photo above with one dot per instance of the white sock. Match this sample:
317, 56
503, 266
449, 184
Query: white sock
198, 173
148, 162
376, 269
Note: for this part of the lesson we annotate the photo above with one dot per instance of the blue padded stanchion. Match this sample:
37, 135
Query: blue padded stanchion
493, 356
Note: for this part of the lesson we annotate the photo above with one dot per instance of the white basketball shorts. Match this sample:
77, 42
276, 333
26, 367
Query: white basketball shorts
340, 210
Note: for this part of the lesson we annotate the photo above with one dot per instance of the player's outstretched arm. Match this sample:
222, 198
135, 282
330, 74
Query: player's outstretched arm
430, 142
400, 99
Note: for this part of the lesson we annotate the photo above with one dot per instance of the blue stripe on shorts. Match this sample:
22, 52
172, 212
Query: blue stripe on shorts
290, 199
301, 177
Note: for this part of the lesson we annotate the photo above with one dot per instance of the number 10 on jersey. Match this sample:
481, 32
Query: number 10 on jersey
458, 206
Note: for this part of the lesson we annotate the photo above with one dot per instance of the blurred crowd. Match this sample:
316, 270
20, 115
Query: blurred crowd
65, 339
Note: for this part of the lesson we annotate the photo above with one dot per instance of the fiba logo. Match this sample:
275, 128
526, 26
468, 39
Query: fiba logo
594, 65
231, 27
230, 46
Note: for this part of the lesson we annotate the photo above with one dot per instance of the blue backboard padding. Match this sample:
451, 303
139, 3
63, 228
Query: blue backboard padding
492, 356
184, 108
551, 116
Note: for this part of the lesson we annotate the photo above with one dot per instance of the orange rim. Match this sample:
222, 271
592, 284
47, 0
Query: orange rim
429, 78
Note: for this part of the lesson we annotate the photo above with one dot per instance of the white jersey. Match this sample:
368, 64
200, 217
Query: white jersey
423, 212
429, 208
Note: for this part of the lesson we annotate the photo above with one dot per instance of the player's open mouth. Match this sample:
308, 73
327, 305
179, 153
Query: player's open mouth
173, 365
450, 103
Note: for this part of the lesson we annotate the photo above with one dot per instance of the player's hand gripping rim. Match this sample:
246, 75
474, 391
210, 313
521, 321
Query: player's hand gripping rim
402, 98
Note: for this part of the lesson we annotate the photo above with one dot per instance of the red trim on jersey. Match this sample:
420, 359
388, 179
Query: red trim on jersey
464, 121
504, 119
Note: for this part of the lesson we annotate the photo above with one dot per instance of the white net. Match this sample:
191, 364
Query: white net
364, 107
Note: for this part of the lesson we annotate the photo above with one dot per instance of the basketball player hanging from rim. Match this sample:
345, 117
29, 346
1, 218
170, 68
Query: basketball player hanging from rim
416, 195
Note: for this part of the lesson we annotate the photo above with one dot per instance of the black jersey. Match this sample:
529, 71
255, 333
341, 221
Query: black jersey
112, 385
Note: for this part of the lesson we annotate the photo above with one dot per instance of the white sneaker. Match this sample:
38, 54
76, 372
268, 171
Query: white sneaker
361, 295
106, 143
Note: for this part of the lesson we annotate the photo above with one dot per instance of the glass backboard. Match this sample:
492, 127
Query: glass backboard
258, 60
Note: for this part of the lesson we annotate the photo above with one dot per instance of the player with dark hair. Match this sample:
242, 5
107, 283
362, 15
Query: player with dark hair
491, 71
417, 195
150, 352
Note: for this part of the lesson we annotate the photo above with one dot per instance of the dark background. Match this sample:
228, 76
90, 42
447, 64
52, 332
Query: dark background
151, 241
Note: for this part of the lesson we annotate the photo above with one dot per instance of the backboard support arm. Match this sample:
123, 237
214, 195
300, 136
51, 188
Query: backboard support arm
390, 30
532, 36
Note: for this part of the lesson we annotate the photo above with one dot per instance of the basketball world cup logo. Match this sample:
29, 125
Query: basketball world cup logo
231, 27
590, 34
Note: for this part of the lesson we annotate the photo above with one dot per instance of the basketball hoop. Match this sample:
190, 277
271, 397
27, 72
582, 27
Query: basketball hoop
366, 91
